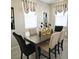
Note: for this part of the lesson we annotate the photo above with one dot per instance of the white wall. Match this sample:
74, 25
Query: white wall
52, 16
19, 20
40, 8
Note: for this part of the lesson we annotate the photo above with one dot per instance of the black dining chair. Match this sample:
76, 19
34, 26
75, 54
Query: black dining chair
58, 28
25, 49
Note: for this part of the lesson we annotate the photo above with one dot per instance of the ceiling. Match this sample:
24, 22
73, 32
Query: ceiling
50, 1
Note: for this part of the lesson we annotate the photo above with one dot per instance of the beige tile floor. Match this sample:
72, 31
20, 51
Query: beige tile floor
15, 53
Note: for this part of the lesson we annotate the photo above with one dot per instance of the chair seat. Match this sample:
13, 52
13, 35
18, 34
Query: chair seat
29, 49
44, 46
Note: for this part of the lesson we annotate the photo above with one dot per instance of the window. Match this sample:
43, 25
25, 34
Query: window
61, 19
30, 20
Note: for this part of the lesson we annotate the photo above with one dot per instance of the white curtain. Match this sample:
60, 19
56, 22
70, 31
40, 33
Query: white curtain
61, 18
30, 20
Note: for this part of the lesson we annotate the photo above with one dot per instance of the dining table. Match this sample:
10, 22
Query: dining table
35, 40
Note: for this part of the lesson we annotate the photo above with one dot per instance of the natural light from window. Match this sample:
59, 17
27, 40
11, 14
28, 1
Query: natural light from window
61, 19
30, 20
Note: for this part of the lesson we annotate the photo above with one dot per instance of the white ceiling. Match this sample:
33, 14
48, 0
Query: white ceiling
50, 1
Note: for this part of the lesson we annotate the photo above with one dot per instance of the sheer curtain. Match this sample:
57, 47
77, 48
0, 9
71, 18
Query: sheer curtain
61, 19
30, 20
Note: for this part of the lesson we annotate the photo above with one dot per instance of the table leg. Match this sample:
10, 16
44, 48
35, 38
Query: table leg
37, 53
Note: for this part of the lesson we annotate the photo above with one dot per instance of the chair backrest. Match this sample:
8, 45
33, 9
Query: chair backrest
58, 28
62, 35
20, 41
54, 39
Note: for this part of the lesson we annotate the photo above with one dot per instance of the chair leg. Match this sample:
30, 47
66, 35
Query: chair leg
49, 53
21, 55
39, 49
27, 57
62, 45
58, 48
55, 52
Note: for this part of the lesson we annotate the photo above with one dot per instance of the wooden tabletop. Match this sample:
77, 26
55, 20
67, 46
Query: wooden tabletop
35, 39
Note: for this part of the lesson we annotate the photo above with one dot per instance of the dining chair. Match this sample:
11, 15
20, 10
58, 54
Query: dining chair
25, 49
58, 28
51, 46
61, 40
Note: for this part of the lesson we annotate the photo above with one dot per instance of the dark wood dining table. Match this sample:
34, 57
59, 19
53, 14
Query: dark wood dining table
35, 39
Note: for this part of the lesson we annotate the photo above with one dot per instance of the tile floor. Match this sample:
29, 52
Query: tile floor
15, 53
